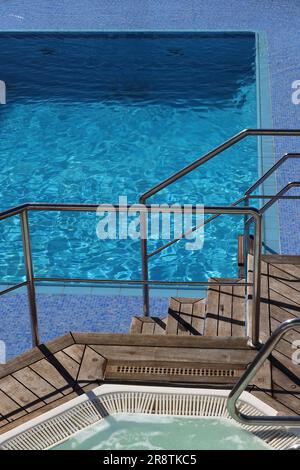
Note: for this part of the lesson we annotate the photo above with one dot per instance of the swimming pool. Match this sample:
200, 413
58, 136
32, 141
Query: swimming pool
93, 116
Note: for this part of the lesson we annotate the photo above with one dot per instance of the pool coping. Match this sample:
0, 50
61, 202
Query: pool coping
266, 147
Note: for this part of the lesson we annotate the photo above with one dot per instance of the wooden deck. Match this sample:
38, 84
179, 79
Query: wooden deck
280, 301
201, 342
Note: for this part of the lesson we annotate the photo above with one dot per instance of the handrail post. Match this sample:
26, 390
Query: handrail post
29, 278
256, 279
144, 258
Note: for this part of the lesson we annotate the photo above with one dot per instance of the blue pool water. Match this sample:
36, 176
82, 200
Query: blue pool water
90, 117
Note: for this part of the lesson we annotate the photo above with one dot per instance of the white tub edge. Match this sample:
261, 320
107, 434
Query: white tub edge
246, 397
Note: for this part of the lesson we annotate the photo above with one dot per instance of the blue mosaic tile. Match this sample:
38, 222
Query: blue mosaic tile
61, 313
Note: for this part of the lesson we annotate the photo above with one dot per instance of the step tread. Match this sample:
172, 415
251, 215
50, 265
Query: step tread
186, 316
225, 313
148, 325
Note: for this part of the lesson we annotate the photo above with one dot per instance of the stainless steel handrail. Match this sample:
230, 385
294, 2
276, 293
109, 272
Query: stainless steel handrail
213, 153
186, 170
274, 198
24, 209
271, 170
247, 194
193, 229
248, 375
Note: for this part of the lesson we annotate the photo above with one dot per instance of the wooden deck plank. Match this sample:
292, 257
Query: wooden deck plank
269, 400
147, 353
286, 383
171, 341
198, 318
66, 365
238, 311
9, 409
185, 316
264, 320
20, 394
290, 336
288, 399
45, 369
75, 352
225, 311
286, 304
285, 272
263, 379
92, 368
284, 361
212, 310
40, 387
36, 354
288, 293
148, 325
136, 325
3, 421
148, 328
265, 312
172, 323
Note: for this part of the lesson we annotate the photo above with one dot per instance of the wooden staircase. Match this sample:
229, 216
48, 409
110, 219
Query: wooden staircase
221, 313
215, 325
217, 329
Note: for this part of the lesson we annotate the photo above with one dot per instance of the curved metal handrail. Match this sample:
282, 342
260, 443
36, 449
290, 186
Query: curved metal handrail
184, 171
248, 375
271, 170
193, 229
273, 199
246, 196
213, 153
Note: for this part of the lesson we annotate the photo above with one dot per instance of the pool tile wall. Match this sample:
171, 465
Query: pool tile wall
59, 313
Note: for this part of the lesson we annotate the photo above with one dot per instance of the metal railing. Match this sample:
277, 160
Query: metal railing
24, 209
249, 374
188, 169
251, 214
244, 199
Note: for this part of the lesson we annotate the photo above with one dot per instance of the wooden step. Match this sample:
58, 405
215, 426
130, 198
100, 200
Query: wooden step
225, 311
186, 316
195, 359
148, 325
